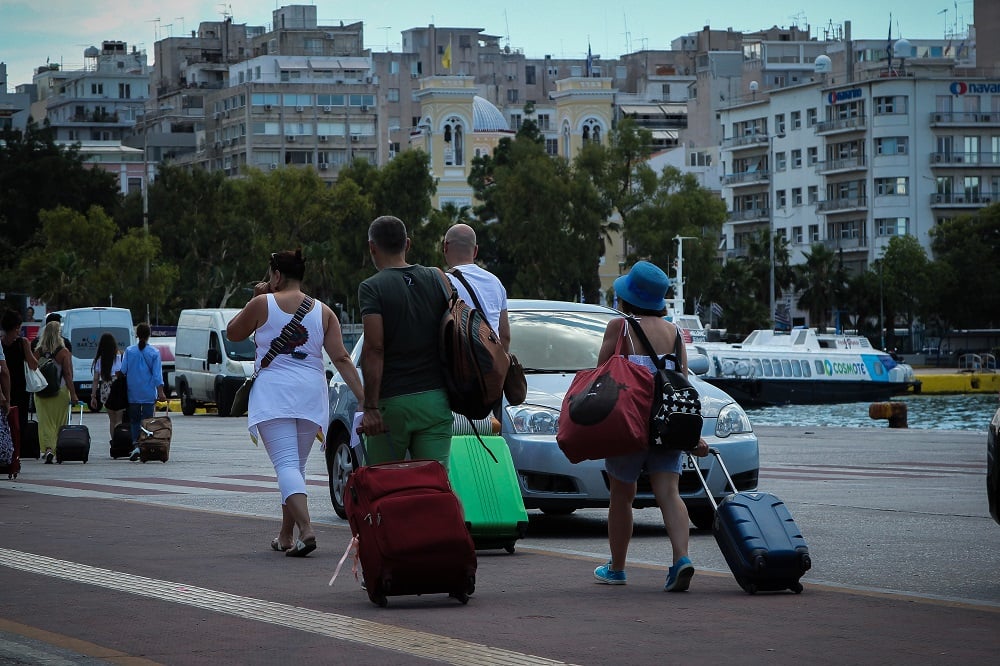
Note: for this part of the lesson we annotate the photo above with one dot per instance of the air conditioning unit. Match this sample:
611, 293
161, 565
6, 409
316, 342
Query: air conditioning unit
215, 116
327, 109
227, 113
939, 117
267, 107
364, 108
322, 138
939, 198
218, 144
355, 138
299, 109
987, 117
273, 166
959, 159
368, 79
290, 138
323, 166
938, 157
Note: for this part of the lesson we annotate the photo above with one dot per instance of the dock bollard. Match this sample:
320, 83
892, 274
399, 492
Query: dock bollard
895, 412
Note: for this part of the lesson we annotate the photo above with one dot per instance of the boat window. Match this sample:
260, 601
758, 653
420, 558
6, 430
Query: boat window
776, 364
786, 367
879, 369
805, 369
760, 370
819, 367
767, 368
796, 368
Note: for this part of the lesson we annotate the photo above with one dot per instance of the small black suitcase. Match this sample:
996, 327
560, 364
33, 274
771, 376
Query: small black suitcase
30, 446
73, 440
758, 537
121, 442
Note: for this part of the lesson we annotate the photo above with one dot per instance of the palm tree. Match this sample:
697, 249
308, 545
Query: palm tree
822, 284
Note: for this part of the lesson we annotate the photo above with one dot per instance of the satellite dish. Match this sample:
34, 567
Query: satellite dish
753, 86
822, 64
902, 48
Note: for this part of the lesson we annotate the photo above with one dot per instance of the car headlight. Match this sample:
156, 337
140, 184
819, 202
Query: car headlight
534, 419
732, 420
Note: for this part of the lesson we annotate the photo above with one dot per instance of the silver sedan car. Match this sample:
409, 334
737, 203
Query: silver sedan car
552, 340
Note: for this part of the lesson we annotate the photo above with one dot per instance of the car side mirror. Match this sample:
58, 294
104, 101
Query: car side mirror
214, 356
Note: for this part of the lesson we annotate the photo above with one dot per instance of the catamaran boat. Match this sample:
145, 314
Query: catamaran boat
802, 366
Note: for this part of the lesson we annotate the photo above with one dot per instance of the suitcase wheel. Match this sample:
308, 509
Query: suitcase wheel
462, 597
379, 600
84, 461
509, 547
797, 588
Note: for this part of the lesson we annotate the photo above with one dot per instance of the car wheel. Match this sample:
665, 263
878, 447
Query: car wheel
187, 402
702, 517
339, 467
224, 398
557, 510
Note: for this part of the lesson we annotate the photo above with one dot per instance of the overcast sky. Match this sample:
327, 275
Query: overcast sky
35, 31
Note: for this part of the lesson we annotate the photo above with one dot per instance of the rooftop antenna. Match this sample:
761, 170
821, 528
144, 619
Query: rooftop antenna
506, 24
628, 35
387, 28
156, 28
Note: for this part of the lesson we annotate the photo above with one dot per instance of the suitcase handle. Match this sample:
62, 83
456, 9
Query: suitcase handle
701, 477
70, 417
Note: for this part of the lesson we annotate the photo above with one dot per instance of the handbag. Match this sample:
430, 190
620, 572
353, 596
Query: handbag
117, 393
241, 401
677, 419
515, 384
606, 411
34, 380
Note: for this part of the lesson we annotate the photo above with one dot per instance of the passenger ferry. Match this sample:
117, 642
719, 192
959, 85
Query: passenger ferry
802, 366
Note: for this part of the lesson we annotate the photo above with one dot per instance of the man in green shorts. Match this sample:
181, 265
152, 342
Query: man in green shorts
406, 407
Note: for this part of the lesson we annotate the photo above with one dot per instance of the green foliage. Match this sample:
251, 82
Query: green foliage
822, 283
966, 249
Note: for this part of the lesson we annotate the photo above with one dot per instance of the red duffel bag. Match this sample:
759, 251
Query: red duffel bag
607, 410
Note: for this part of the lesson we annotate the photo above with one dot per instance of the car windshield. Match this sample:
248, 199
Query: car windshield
557, 341
243, 350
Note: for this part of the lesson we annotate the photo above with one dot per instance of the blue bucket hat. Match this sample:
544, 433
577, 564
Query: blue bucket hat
644, 286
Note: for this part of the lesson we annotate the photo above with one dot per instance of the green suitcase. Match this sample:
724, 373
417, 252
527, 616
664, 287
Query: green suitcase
488, 490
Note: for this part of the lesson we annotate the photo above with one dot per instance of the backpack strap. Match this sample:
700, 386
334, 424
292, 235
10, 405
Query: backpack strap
468, 287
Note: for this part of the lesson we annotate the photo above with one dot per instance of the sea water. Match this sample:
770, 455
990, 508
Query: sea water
971, 411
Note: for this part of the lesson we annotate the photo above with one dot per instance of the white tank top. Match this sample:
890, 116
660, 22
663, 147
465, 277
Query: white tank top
294, 385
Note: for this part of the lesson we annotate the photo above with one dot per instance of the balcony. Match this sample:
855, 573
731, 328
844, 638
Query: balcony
949, 159
963, 200
746, 178
842, 205
744, 142
847, 244
964, 118
838, 125
750, 214
856, 163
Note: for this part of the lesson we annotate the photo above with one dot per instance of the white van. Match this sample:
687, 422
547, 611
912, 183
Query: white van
208, 366
83, 327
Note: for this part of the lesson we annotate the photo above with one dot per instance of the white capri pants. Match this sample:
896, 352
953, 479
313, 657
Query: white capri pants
288, 442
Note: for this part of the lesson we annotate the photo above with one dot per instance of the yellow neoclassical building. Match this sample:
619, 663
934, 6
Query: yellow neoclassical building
457, 124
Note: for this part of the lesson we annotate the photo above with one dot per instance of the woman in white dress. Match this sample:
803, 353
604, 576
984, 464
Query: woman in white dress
288, 406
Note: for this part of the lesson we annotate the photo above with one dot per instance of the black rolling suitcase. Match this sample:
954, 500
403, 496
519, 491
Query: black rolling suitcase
121, 441
73, 440
759, 538
30, 446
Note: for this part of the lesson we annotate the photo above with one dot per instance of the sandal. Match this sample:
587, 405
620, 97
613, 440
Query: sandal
276, 545
302, 548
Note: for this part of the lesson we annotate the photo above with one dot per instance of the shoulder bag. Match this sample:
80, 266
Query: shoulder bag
607, 410
34, 380
117, 393
515, 384
677, 419
241, 401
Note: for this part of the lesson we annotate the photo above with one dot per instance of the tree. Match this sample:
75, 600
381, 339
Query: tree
906, 281
967, 248
743, 310
38, 174
822, 280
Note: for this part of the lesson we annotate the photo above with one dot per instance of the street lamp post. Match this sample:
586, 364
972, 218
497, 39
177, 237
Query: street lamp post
770, 240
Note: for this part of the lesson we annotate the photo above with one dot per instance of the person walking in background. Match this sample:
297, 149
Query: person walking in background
289, 403
641, 293
18, 352
53, 412
460, 250
49, 318
107, 362
141, 366
405, 404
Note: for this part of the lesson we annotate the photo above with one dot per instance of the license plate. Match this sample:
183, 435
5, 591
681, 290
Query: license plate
87, 386
688, 467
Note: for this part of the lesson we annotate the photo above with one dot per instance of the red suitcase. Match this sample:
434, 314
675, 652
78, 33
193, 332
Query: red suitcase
13, 468
410, 530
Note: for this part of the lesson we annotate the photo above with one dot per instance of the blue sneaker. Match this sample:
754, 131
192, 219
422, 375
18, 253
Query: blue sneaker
605, 574
679, 576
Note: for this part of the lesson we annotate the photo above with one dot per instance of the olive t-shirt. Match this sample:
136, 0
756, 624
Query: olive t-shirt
411, 301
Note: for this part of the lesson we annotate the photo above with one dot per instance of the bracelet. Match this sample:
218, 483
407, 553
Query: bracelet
367, 407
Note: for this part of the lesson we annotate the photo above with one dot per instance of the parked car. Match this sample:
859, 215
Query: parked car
993, 466
166, 345
553, 340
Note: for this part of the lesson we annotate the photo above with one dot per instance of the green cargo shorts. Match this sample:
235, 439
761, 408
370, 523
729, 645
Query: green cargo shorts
418, 423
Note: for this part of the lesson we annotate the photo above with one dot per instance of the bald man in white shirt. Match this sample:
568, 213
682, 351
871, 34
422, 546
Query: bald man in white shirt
460, 250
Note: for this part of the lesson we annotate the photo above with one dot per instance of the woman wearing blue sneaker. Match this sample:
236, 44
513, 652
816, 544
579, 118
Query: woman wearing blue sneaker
641, 293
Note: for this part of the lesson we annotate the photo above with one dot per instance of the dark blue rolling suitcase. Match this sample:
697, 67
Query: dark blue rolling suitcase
759, 538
